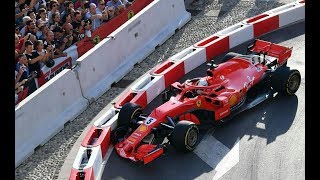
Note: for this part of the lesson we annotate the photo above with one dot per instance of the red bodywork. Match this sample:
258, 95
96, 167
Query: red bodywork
226, 87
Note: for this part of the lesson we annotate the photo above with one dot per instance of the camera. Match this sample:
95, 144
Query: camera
49, 63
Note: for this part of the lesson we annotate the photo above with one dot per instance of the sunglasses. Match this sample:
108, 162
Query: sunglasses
102, 4
55, 5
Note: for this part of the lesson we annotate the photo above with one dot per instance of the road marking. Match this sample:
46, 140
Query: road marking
261, 125
217, 155
104, 161
228, 161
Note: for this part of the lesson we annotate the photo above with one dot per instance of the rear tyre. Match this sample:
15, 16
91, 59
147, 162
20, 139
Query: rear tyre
286, 81
293, 82
230, 55
128, 112
185, 136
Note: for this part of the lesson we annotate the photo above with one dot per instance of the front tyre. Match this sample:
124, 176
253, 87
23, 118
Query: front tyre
128, 112
185, 136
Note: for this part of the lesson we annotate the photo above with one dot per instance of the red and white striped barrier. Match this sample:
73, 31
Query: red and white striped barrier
214, 45
289, 13
191, 57
180, 64
106, 117
251, 28
152, 85
97, 137
133, 97
160, 77
86, 164
94, 147
237, 34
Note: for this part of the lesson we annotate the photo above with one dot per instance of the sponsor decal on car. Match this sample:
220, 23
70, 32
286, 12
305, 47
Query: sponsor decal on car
248, 85
131, 140
224, 112
232, 100
258, 68
136, 134
143, 128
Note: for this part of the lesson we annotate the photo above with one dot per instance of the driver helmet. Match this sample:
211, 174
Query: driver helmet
203, 82
255, 59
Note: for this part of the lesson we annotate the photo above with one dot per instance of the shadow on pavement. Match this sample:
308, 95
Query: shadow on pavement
267, 120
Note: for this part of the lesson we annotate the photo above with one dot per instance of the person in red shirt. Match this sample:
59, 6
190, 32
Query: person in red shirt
19, 44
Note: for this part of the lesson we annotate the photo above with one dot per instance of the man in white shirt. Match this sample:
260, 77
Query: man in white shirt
94, 16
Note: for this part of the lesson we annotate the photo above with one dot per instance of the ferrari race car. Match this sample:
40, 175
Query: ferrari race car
238, 83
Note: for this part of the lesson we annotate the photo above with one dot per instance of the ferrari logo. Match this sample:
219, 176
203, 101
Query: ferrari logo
96, 39
143, 128
130, 14
199, 103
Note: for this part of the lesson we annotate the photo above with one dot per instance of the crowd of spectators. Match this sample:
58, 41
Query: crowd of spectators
45, 28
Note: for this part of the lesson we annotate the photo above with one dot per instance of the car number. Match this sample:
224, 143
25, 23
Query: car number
149, 121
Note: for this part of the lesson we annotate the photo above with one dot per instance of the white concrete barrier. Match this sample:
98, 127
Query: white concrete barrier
152, 85
238, 33
113, 57
43, 114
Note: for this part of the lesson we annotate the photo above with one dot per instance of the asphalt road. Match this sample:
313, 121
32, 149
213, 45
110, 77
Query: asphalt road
269, 138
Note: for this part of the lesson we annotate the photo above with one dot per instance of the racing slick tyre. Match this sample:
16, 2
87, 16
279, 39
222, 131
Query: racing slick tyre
286, 81
128, 112
229, 55
185, 136
118, 134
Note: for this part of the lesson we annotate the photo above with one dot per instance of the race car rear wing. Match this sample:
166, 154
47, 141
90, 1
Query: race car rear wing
282, 53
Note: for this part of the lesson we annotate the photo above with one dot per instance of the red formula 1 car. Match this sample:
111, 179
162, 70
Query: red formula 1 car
238, 83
